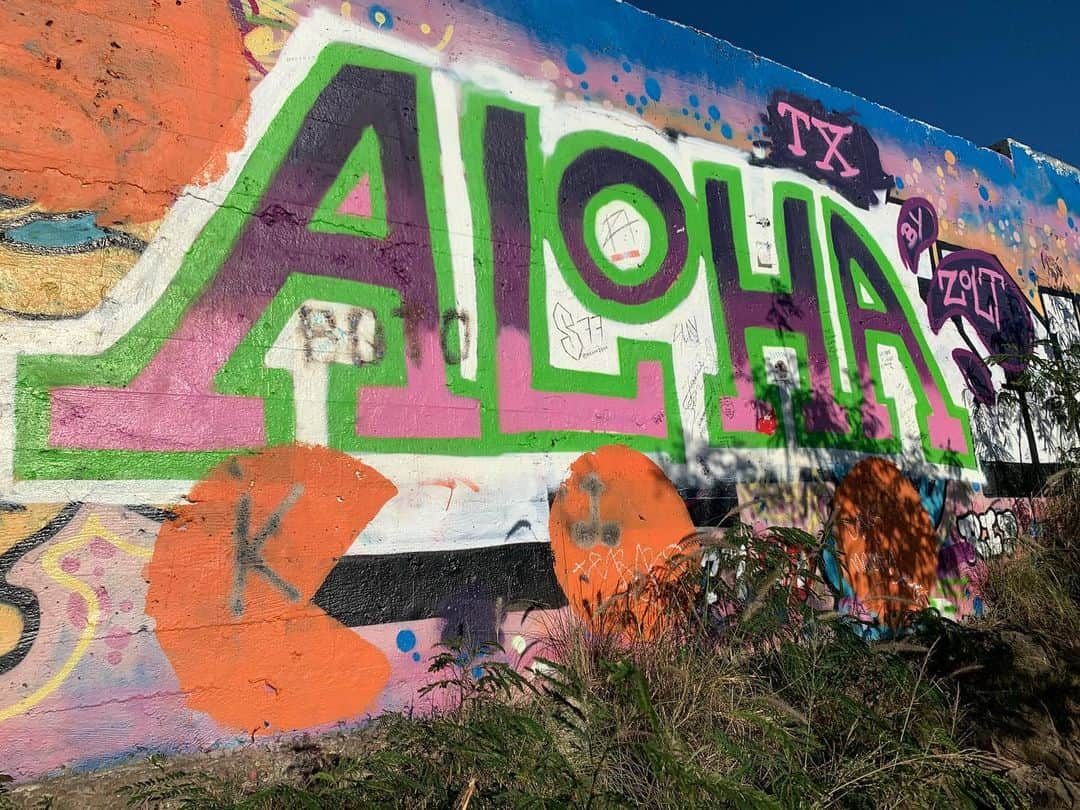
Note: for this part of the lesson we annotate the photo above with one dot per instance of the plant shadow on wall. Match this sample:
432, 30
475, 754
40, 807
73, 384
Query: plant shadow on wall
714, 680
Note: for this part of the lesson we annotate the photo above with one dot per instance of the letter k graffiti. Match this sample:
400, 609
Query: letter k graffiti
249, 549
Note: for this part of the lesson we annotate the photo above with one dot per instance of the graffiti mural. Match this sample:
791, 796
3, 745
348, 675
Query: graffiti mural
331, 332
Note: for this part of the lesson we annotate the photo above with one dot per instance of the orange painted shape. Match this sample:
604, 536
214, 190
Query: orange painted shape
617, 515
261, 656
114, 106
890, 548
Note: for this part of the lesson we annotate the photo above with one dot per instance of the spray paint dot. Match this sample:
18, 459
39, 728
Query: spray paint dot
725, 130
614, 78
714, 113
708, 126
477, 672
984, 193
630, 100
416, 656
626, 67
406, 640
652, 88
1031, 276
425, 28
584, 85
693, 100
381, 17
899, 181
519, 644
574, 63
643, 100
640, 110
697, 116
685, 111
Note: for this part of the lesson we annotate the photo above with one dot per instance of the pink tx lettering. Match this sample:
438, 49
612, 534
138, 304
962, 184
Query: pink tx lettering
832, 134
797, 115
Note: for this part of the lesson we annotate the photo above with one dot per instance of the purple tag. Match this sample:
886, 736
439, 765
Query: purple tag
916, 230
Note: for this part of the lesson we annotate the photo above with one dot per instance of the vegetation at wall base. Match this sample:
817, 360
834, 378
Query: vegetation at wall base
718, 680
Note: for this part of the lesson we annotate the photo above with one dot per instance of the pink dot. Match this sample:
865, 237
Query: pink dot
103, 597
118, 638
114, 657
76, 611
125, 606
69, 565
101, 548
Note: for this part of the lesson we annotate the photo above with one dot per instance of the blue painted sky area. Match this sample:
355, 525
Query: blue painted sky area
981, 69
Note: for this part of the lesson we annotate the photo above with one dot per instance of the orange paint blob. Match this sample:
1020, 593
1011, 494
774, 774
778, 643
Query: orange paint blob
113, 106
231, 583
890, 548
616, 516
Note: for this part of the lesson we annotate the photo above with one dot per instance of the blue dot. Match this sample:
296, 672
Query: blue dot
899, 182
714, 113
984, 193
626, 67
725, 130
697, 116
381, 17
977, 605
406, 640
416, 656
477, 672
615, 78
584, 85
652, 88
1072, 223
644, 101
976, 487
685, 111
708, 126
575, 63
588, 97
693, 100
1031, 275
1031, 293
640, 110
630, 99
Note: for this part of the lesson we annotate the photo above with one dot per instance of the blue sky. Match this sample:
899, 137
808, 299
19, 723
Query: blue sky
981, 69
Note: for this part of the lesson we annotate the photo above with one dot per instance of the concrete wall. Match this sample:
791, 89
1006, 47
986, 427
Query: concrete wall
331, 331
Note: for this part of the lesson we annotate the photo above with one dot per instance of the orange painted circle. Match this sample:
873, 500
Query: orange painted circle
115, 106
231, 583
11, 628
616, 515
889, 547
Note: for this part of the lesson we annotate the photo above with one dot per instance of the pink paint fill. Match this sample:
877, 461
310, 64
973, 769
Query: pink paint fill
522, 409
358, 201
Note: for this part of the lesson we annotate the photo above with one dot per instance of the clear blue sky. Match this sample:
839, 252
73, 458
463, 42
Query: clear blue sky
982, 69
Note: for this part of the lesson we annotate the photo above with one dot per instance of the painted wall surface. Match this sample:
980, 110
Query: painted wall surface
334, 330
